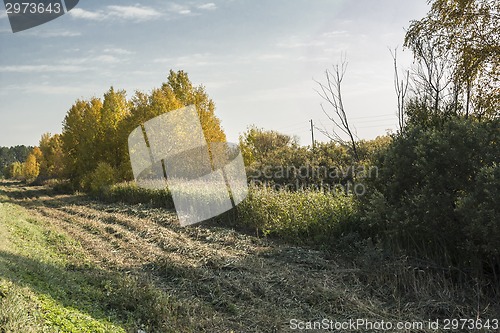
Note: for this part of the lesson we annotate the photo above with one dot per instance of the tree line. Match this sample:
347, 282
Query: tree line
12, 159
92, 150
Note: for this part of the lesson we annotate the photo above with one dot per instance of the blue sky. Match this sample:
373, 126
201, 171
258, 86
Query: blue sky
256, 58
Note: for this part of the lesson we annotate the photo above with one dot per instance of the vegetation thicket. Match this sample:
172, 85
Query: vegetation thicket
430, 191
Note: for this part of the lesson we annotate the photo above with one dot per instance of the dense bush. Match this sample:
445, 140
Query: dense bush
273, 158
101, 179
437, 195
302, 217
480, 212
15, 171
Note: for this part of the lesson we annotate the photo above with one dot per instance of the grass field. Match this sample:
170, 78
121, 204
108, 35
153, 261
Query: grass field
70, 264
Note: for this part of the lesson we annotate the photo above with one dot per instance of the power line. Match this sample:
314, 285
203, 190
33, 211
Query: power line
290, 125
376, 116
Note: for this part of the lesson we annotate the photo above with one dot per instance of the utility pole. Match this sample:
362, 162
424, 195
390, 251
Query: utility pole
312, 133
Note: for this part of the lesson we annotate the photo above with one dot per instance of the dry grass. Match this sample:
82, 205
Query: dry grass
219, 280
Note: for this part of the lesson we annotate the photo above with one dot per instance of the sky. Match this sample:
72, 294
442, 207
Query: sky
258, 60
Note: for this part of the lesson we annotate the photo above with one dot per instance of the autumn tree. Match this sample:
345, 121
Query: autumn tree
31, 168
112, 139
80, 139
95, 132
179, 84
260, 147
52, 162
175, 93
466, 33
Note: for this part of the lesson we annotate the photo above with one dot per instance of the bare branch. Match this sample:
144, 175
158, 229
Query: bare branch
331, 92
401, 88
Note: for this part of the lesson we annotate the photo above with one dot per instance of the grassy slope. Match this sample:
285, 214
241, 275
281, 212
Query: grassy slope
72, 265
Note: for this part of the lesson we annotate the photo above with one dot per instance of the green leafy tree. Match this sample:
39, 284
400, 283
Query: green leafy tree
102, 177
261, 146
15, 171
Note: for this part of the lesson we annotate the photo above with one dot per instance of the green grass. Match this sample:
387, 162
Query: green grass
39, 289
48, 285
162, 278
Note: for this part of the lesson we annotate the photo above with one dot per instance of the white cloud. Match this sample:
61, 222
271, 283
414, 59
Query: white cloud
301, 44
93, 60
197, 59
49, 34
107, 59
53, 90
140, 13
3, 13
207, 6
87, 15
40, 69
179, 9
190, 9
47, 89
271, 56
134, 13
335, 33
118, 51
210, 59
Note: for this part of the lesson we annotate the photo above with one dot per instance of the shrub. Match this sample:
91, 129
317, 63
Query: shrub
302, 217
60, 186
480, 212
429, 199
101, 179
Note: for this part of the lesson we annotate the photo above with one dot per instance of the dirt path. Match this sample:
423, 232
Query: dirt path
227, 280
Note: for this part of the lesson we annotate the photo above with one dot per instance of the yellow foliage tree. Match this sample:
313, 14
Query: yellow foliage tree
31, 168
97, 130
51, 163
